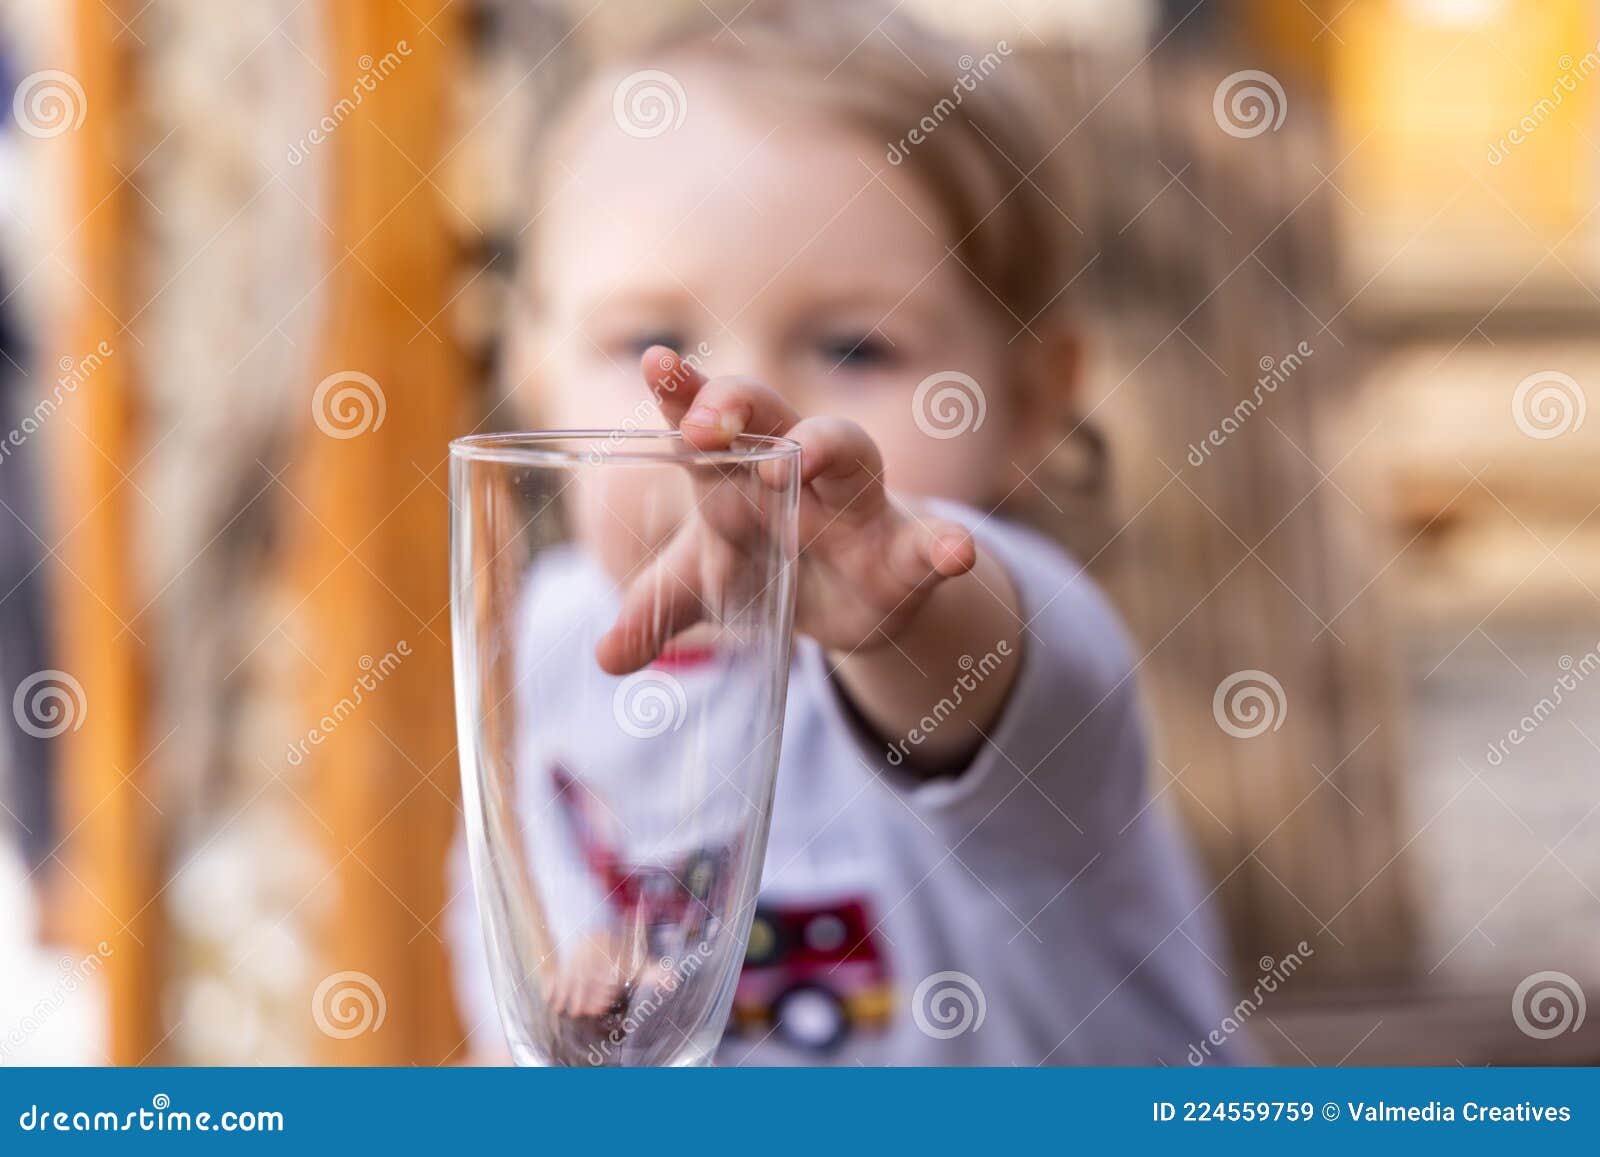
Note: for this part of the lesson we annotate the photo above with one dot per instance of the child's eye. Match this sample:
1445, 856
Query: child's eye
672, 339
856, 351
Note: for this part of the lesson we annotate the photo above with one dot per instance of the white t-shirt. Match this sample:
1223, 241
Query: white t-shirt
1036, 908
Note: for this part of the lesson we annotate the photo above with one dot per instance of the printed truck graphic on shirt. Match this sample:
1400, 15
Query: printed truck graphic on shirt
813, 972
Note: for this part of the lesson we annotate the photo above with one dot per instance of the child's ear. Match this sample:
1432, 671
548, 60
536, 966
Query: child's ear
1049, 386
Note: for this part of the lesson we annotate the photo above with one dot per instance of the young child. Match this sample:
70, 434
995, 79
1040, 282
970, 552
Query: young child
891, 301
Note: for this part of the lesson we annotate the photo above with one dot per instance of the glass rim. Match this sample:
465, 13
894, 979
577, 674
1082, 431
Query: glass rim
545, 447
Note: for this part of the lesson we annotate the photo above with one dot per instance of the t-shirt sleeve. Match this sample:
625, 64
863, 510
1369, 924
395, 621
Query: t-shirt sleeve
1063, 766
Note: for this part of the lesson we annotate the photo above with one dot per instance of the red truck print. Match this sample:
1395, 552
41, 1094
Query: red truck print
813, 974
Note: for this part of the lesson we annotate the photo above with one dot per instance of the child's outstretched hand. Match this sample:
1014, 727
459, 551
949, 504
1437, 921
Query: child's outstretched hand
867, 565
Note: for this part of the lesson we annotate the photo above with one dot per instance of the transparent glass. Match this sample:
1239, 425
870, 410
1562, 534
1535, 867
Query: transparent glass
617, 817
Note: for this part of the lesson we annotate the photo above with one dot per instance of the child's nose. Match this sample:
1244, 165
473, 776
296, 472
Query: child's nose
732, 354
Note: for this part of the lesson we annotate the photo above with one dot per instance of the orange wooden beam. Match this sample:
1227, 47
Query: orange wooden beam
108, 871
372, 549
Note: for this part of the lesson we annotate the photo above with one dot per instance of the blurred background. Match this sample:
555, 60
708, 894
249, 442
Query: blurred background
1338, 272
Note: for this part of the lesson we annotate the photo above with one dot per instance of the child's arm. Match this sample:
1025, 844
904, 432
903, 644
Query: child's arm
899, 601
896, 684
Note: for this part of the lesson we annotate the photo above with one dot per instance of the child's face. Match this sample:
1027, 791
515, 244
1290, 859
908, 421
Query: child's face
788, 250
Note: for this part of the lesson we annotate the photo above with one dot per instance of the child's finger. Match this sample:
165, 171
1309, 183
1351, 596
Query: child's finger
841, 465
663, 600
726, 407
929, 549
556, 998
948, 547
673, 381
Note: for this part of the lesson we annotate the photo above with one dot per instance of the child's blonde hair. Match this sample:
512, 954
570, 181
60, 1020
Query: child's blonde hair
964, 123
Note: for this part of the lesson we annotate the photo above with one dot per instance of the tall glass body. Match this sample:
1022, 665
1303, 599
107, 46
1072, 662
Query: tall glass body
622, 608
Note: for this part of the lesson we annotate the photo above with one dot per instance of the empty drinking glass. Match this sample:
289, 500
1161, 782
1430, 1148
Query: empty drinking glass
622, 609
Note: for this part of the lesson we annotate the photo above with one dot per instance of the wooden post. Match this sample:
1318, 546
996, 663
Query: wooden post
370, 520
107, 868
